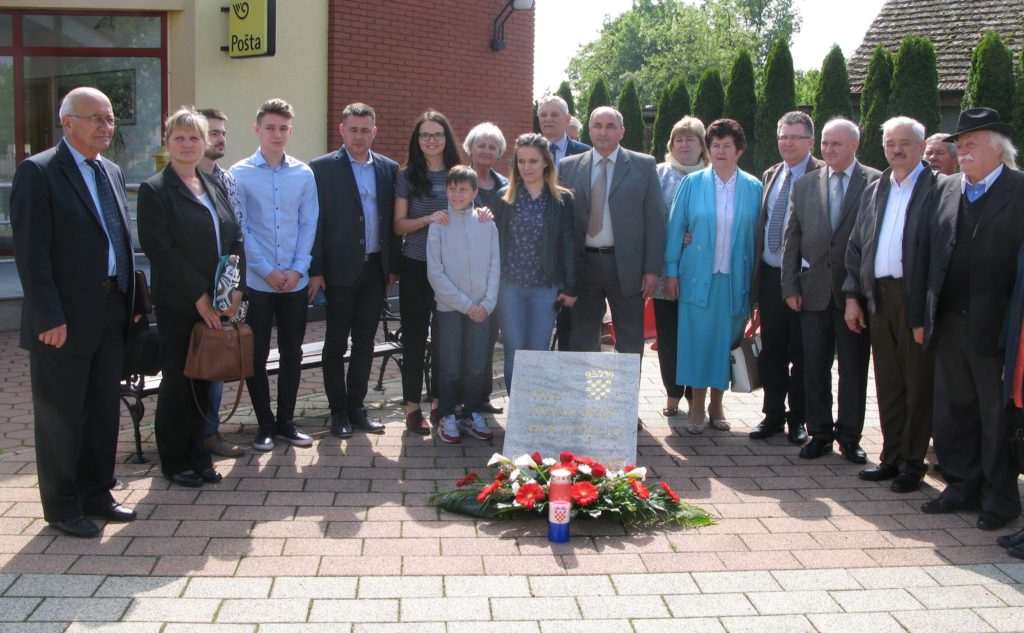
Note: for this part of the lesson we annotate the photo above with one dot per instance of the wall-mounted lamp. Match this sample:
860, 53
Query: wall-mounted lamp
498, 38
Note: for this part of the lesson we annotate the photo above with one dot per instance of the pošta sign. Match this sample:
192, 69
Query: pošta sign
252, 28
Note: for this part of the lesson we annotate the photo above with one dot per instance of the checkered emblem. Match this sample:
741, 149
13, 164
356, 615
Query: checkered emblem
559, 514
599, 383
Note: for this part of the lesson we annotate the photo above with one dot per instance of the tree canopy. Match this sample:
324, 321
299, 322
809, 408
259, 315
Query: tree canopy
988, 81
741, 104
832, 98
598, 97
565, 91
874, 107
1018, 105
632, 118
915, 83
659, 40
710, 99
673, 105
777, 98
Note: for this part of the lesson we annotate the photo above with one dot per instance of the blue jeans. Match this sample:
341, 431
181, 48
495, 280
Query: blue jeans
464, 362
526, 316
213, 412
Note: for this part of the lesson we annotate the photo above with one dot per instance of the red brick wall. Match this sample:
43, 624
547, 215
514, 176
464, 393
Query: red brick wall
405, 56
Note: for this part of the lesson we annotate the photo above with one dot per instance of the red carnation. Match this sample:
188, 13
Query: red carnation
582, 459
671, 493
499, 476
529, 494
535, 456
468, 479
628, 467
640, 489
583, 493
598, 471
486, 492
566, 457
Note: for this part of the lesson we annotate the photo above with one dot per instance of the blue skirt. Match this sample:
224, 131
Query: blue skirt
705, 337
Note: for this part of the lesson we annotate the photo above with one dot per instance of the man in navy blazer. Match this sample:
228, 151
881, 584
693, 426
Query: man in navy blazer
73, 249
354, 260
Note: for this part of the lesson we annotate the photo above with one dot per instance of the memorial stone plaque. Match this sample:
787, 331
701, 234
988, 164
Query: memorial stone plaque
584, 402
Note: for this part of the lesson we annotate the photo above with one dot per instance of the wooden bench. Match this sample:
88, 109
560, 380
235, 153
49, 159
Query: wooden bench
137, 387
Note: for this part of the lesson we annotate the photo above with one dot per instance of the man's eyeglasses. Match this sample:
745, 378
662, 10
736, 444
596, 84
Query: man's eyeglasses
427, 136
97, 119
792, 137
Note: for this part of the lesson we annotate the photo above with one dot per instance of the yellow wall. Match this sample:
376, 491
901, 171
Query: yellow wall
200, 73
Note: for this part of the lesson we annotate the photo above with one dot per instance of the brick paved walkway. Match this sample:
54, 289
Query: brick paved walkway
339, 537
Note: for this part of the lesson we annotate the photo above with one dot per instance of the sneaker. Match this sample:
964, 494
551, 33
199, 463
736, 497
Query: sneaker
476, 426
264, 440
448, 430
217, 445
293, 433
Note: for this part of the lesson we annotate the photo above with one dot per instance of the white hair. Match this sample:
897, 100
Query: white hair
67, 104
941, 137
546, 99
484, 130
903, 121
846, 124
606, 110
575, 124
1005, 145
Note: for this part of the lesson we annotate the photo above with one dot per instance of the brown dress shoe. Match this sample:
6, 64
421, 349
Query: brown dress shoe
217, 445
415, 423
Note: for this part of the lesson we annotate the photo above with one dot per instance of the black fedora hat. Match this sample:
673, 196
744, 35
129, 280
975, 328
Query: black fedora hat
977, 119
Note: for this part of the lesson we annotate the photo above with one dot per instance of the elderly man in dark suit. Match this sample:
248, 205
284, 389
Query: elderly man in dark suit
781, 361
620, 229
962, 287
823, 210
880, 260
354, 259
73, 248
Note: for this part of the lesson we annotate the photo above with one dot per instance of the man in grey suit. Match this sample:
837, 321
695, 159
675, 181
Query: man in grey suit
620, 234
781, 361
894, 212
823, 210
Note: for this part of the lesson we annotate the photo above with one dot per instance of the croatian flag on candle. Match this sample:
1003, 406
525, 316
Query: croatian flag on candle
558, 521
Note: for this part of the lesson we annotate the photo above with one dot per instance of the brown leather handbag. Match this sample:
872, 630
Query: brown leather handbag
222, 355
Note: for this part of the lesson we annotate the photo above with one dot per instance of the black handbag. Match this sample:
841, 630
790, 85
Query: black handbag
143, 351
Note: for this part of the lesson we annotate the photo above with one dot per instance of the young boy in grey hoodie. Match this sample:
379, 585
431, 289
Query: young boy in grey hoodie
463, 267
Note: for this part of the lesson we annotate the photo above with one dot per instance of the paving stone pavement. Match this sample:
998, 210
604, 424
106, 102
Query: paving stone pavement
340, 537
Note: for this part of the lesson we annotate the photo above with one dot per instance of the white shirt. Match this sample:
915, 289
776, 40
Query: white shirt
889, 252
770, 258
208, 203
90, 183
988, 180
605, 238
725, 198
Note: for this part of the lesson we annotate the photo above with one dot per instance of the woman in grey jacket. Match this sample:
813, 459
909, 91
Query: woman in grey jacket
538, 265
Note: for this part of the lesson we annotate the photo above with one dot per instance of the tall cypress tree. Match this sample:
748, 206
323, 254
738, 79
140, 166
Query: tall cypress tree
778, 96
673, 105
598, 97
832, 98
741, 104
987, 82
565, 91
1018, 105
874, 107
915, 83
632, 118
710, 99
536, 119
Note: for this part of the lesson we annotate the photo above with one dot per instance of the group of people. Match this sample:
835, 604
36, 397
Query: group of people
835, 258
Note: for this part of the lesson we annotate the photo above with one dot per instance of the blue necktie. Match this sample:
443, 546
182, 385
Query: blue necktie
973, 192
112, 220
778, 214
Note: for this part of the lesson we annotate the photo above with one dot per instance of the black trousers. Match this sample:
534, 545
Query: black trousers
825, 337
179, 423
417, 306
352, 310
781, 361
970, 424
288, 311
904, 377
599, 281
76, 410
666, 322
563, 329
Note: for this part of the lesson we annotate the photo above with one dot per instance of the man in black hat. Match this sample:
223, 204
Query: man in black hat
962, 286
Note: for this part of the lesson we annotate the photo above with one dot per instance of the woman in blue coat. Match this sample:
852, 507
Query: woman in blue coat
718, 208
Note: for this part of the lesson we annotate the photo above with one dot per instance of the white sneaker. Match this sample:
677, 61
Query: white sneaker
476, 426
448, 430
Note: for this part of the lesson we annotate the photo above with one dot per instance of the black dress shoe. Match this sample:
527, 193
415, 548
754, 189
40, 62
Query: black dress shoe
340, 425
1016, 552
797, 433
880, 472
765, 429
78, 526
1011, 540
816, 448
939, 505
362, 421
187, 479
210, 476
490, 408
853, 452
905, 482
111, 511
989, 521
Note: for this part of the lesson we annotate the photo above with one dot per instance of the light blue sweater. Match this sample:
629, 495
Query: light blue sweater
463, 263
